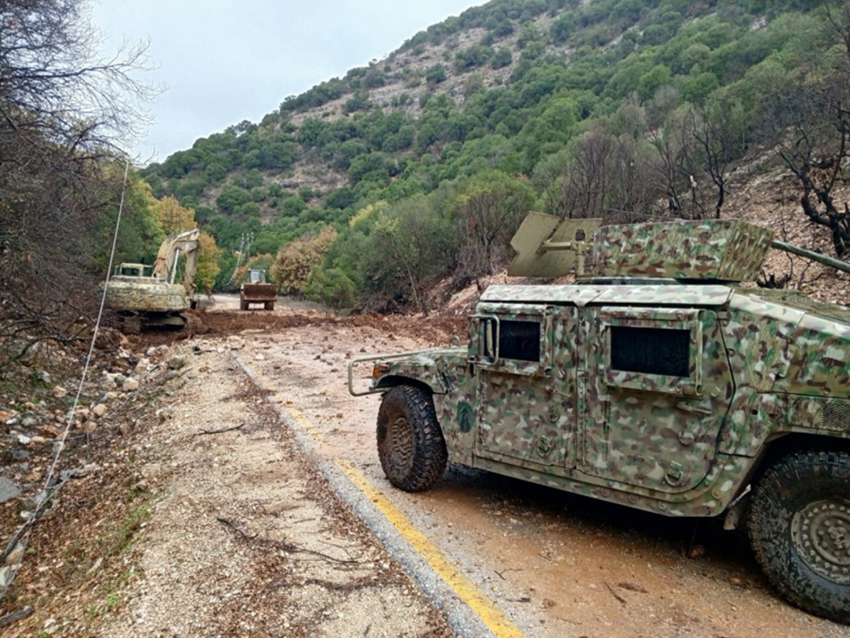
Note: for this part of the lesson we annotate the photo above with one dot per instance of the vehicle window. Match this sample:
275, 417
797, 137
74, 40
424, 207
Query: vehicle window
519, 340
650, 350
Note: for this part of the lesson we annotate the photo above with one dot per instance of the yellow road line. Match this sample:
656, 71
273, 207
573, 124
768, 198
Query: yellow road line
305, 423
486, 609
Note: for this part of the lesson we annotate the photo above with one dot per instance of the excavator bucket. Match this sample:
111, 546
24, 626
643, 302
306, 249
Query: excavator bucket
548, 246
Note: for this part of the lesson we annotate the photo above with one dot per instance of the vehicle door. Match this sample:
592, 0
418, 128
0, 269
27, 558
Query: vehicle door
525, 363
655, 387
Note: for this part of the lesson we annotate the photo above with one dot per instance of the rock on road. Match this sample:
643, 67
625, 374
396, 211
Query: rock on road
557, 564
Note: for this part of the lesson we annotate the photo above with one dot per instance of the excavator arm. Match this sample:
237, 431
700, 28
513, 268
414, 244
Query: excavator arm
185, 243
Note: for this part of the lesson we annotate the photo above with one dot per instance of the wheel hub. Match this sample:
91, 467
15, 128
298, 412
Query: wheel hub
821, 535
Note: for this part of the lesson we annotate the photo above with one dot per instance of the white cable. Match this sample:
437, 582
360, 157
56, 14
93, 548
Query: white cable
24, 539
93, 337
238, 259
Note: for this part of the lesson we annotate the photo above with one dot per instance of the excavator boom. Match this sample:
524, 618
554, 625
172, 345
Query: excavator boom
185, 243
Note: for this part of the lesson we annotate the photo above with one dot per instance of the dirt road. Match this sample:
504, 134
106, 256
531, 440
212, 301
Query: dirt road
247, 538
558, 565
249, 500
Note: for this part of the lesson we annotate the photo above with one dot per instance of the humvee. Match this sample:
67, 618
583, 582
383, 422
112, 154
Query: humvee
659, 381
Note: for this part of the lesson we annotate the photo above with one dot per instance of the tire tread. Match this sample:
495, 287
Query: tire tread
798, 476
429, 447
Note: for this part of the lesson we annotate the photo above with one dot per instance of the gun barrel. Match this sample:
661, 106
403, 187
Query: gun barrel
809, 254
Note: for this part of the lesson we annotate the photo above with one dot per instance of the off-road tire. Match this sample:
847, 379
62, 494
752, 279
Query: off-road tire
269, 305
410, 443
800, 509
243, 305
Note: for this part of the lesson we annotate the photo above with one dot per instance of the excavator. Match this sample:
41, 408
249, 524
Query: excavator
143, 296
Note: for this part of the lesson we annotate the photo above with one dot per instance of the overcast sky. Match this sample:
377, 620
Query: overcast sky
225, 61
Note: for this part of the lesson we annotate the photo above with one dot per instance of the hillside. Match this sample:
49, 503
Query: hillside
423, 163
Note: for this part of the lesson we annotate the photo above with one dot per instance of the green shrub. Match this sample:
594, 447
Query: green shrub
331, 287
502, 58
435, 74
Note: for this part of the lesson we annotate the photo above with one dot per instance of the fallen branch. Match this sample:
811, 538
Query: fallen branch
615, 594
202, 432
501, 574
15, 616
235, 529
632, 587
287, 547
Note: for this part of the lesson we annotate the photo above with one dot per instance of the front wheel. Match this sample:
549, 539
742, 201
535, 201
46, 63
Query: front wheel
410, 443
799, 527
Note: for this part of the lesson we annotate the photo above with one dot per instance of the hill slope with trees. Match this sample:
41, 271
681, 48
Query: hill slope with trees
421, 165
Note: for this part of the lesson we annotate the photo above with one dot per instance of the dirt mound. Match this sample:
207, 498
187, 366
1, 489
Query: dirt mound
434, 329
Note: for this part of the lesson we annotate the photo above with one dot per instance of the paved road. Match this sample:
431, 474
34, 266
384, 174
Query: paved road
555, 564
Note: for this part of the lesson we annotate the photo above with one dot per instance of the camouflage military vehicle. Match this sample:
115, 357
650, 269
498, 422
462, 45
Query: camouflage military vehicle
657, 381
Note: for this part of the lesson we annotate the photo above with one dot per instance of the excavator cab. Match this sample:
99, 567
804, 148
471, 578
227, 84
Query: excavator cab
132, 270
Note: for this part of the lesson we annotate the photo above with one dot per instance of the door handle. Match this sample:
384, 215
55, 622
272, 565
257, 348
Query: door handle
689, 407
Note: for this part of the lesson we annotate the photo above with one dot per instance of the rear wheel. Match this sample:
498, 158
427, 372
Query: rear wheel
410, 444
799, 527
243, 305
269, 305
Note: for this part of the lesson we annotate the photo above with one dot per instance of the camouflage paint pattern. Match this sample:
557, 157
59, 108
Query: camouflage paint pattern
761, 365
447, 374
526, 410
722, 250
685, 319
654, 431
585, 294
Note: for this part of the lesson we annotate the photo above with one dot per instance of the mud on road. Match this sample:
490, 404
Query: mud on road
244, 536
557, 564
248, 539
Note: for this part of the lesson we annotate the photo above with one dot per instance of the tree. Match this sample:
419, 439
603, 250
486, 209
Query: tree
603, 173
718, 133
412, 239
486, 214
332, 287
139, 235
172, 217
502, 58
208, 263
435, 74
63, 112
698, 88
812, 126
650, 82
232, 197
694, 154
472, 56
295, 261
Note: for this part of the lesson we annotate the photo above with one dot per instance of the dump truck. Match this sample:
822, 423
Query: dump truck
661, 380
142, 296
256, 291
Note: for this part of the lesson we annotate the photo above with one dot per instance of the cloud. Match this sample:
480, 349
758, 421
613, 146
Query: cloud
226, 61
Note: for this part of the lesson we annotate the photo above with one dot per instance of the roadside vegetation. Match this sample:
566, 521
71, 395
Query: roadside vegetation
424, 163
65, 115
